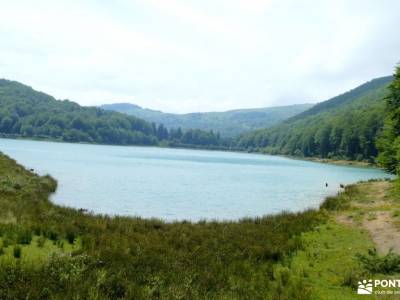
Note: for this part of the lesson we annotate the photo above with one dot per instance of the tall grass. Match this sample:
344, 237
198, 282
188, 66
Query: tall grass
342, 200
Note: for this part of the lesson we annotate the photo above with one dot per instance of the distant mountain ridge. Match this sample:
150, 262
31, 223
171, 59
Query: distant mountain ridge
228, 124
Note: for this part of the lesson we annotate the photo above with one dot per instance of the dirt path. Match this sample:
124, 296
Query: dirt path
383, 232
376, 213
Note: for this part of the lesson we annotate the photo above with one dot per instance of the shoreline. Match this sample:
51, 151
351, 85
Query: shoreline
201, 221
338, 162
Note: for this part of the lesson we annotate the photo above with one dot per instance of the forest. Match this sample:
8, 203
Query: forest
25, 112
344, 127
229, 123
389, 140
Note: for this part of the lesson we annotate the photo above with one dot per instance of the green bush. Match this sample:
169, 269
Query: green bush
24, 237
52, 235
342, 200
41, 241
386, 264
70, 237
113, 287
17, 251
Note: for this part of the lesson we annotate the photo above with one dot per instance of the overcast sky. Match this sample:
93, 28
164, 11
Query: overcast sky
205, 55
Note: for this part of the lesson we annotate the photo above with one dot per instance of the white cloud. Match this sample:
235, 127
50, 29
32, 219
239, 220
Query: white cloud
185, 56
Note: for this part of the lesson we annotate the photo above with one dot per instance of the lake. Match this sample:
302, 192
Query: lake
177, 184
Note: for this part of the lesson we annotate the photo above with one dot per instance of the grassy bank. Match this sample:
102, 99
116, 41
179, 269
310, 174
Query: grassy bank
333, 161
342, 162
53, 252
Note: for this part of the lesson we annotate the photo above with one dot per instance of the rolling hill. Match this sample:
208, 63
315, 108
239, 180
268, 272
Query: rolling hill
228, 124
27, 113
344, 127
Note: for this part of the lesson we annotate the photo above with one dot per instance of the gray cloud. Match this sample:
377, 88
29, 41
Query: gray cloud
183, 56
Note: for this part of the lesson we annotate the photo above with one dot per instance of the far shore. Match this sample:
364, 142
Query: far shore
340, 162
331, 161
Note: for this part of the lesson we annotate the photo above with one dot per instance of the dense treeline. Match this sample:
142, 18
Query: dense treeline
389, 141
344, 127
228, 123
28, 113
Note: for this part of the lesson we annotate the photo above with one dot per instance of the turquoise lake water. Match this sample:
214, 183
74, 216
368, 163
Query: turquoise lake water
177, 184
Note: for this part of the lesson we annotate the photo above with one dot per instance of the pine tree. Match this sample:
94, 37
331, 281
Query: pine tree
389, 141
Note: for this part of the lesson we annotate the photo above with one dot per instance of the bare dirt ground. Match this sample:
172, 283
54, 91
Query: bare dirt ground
383, 232
376, 213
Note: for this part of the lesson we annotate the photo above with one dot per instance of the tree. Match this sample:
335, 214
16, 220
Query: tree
322, 140
162, 132
6, 124
389, 141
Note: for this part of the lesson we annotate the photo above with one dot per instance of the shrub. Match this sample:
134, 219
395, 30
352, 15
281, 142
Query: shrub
335, 203
387, 264
70, 237
52, 235
342, 200
17, 251
41, 241
24, 237
352, 277
113, 287
6, 242
48, 184
60, 244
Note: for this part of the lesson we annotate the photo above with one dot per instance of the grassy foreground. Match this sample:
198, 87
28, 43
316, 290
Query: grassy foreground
53, 252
